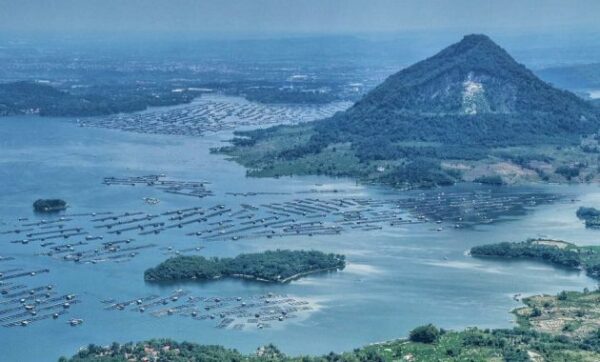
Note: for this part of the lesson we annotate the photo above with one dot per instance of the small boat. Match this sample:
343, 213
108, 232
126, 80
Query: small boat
151, 200
75, 321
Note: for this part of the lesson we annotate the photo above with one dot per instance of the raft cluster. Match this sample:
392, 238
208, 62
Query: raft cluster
214, 114
257, 311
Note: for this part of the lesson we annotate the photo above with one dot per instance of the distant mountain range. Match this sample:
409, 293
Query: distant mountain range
578, 77
460, 104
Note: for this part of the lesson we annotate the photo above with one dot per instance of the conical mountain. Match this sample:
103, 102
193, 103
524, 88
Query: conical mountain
472, 91
473, 76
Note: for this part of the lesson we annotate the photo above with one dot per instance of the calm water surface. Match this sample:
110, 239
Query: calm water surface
395, 280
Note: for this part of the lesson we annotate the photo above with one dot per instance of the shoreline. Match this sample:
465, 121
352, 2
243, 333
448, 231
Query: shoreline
249, 277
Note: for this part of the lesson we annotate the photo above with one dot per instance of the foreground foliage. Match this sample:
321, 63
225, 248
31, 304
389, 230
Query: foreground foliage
512, 345
271, 266
572, 314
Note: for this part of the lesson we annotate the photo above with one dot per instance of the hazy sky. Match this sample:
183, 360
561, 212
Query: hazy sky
251, 17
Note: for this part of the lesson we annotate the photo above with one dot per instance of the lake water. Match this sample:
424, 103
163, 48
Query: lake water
594, 94
395, 280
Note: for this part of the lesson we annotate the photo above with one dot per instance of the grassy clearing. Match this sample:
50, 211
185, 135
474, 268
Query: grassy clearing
573, 314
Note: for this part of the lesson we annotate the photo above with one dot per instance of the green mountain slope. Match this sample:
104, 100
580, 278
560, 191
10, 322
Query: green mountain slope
471, 92
473, 76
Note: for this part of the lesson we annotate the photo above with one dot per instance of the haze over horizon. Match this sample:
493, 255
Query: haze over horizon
239, 18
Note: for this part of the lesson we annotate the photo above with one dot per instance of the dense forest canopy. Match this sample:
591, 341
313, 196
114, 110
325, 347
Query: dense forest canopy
585, 213
43, 99
471, 93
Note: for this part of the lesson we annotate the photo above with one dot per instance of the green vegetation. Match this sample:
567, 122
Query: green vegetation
552, 251
49, 205
459, 115
593, 223
35, 98
569, 171
166, 350
574, 314
270, 266
490, 180
424, 334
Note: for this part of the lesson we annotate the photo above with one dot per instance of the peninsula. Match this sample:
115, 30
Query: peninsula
556, 252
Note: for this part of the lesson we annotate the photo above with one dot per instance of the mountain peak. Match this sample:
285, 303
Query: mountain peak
473, 76
478, 48
476, 39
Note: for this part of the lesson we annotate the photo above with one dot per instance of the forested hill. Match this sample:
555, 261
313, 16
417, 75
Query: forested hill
473, 76
472, 92
279, 266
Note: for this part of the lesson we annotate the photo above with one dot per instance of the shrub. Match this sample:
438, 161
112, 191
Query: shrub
490, 180
425, 334
568, 171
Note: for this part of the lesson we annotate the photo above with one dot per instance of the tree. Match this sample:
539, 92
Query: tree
425, 334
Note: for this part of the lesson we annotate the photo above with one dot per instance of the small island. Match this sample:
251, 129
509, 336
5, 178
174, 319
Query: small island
49, 205
590, 215
555, 252
279, 266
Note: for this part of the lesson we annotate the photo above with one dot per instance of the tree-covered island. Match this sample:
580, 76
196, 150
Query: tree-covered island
49, 205
279, 266
590, 215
